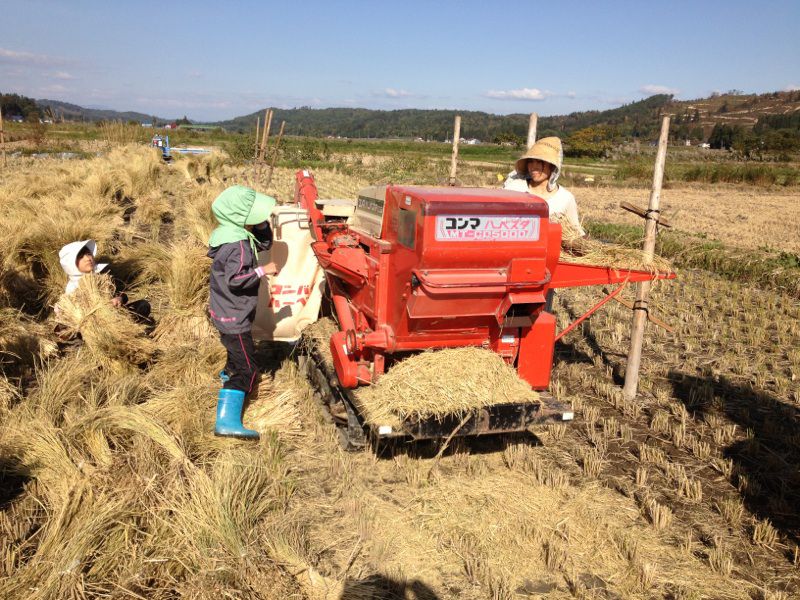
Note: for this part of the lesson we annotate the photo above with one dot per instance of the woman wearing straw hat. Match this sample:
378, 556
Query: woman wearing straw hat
537, 172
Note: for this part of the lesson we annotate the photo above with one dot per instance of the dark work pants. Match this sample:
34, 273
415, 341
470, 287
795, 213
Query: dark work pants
241, 365
140, 309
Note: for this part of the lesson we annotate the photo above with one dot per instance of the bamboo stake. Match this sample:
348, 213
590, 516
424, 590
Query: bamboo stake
258, 129
454, 159
532, 130
275, 154
643, 289
3, 139
265, 137
255, 156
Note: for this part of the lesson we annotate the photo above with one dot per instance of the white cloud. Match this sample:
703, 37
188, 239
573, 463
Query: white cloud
572, 95
651, 89
55, 88
63, 75
394, 93
16, 57
521, 94
791, 88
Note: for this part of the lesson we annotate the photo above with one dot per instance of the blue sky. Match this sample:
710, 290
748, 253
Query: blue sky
215, 60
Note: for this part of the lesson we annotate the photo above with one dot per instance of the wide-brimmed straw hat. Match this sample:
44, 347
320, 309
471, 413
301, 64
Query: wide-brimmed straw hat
547, 149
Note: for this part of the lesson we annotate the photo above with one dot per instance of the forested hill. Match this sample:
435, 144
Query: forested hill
438, 124
73, 112
692, 119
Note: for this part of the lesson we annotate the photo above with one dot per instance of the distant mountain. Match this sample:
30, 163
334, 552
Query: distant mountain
73, 112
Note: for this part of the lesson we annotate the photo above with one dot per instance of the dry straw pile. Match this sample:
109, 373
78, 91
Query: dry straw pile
439, 383
112, 483
109, 332
453, 381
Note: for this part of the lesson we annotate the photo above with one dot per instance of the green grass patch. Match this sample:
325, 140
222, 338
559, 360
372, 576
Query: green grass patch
759, 174
766, 267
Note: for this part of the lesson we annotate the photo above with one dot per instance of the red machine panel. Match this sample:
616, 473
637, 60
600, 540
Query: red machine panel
427, 267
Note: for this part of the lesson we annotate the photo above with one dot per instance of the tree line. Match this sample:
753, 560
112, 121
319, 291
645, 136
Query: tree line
14, 105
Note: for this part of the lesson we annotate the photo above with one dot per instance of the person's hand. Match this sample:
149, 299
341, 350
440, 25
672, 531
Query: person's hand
116, 301
267, 269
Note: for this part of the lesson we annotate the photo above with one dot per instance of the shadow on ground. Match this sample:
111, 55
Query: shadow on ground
765, 464
12, 480
380, 587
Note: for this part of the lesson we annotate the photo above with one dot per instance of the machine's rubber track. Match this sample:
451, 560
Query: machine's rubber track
334, 401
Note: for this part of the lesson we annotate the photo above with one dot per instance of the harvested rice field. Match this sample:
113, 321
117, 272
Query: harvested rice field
113, 486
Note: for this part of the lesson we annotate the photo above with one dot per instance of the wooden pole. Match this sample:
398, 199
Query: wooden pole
265, 136
3, 139
532, 130
275, 154
258, 129
454, 159
255, 156
643, 290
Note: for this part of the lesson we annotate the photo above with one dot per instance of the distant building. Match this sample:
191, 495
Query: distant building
150, 125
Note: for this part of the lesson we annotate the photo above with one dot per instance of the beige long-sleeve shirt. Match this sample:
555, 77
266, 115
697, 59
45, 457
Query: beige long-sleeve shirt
561, 203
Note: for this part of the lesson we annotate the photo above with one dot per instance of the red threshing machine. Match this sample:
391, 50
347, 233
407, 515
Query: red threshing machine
417, 268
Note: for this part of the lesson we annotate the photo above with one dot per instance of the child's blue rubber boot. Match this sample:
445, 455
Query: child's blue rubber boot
229, 416
224, 377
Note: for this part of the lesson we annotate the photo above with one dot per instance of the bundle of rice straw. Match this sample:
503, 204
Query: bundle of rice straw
182, 326
109, 333
270, 407
23, 340
8, 393
318, 336
454, 381
582, 251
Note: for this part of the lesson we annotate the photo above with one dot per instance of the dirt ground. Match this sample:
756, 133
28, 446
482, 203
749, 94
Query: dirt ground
114, 487
745, 216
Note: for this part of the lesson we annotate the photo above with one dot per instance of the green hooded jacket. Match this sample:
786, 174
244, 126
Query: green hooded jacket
236, 207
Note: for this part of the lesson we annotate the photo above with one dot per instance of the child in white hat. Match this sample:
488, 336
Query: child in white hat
78, 258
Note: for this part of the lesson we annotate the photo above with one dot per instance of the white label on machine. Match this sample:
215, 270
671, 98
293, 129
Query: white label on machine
487, 228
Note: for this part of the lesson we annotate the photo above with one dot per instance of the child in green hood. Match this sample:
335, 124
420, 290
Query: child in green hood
243, 231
